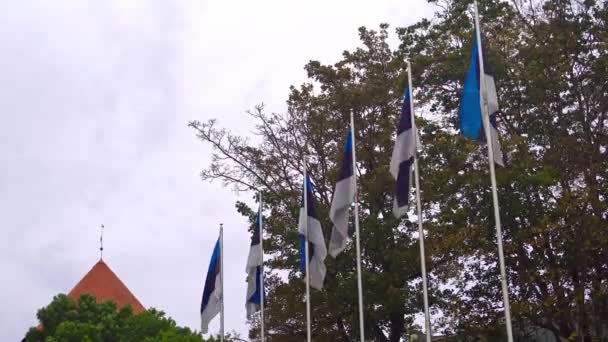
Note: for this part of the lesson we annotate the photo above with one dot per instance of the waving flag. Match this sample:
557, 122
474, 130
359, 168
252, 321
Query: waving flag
344, 195
315, 239
403, 157
254, 270
471, 103
212, 294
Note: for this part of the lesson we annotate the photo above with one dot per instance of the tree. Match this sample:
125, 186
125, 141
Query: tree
314, 125
550, 60
65, 320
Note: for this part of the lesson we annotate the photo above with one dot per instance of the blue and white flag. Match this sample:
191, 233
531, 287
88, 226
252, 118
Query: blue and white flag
212, 294
254, 272
403, 157
471, 102
315, 239
344, 195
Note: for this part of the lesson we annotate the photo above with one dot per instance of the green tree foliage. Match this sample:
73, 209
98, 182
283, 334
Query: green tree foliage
66, 321
551, 61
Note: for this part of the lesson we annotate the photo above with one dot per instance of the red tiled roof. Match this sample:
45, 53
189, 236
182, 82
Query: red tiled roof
105, 285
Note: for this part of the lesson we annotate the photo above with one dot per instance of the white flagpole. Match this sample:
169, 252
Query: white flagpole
261, 232
306, 256
427, 315
357, 240
486, 126
222, 282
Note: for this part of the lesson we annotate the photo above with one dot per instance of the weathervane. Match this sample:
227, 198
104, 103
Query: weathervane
101, 243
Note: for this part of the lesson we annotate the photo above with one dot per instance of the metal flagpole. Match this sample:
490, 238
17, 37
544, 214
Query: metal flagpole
425, 291
306, 257
261, 232
486, 126
221, 282
357, 240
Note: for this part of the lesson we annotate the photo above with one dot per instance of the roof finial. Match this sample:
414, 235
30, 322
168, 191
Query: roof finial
101, 243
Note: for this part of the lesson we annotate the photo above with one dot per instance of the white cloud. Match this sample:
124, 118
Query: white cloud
94, 101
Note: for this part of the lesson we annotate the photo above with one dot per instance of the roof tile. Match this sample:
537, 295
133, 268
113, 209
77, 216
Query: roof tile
105, 285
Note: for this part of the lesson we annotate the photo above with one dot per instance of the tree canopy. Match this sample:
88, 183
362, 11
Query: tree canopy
550, 60
86, 320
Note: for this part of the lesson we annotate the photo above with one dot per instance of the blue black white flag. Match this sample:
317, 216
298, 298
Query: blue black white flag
316, 242
403, 157
344, 195
471, 103
212, 294
254, 272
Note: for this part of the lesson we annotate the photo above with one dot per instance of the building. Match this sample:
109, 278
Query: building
102, 283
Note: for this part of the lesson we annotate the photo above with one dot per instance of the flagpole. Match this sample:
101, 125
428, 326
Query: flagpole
427, 315
357, 240
486, 126
222, 282
306, 258
261, 232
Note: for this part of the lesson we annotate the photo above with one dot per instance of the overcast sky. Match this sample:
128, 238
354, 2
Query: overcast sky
94, 101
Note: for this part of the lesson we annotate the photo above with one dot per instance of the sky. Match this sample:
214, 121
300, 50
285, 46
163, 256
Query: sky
95, 97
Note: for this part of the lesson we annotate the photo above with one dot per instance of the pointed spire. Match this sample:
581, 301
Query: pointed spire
101, 243
102, 283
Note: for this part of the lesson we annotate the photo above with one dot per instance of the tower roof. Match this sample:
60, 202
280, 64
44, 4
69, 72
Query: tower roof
105, 285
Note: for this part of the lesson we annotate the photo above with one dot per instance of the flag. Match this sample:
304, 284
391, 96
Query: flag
212, 294
403, 157
315, 239
254, 270
344, 195
471, 102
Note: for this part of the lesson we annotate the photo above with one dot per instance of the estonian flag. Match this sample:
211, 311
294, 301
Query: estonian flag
254, 269
403, 157
316, 241
344, 195
469, 113
212, 294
